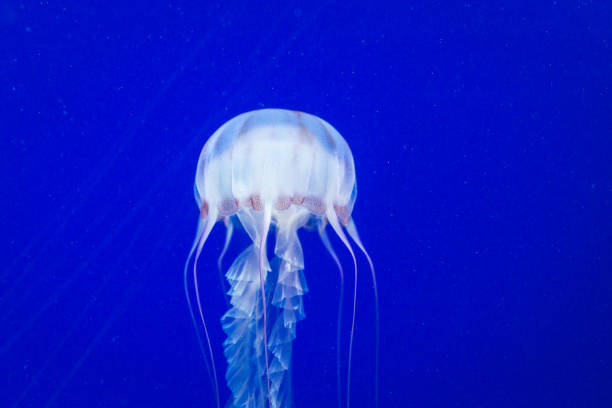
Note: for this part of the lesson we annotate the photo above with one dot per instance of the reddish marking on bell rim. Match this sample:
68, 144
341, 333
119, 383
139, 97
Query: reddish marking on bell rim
314, 204
228, 206
297, 199
204, 210
282, 203
343, 213
255, 202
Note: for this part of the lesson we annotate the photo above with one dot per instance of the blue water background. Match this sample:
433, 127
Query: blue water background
481, 133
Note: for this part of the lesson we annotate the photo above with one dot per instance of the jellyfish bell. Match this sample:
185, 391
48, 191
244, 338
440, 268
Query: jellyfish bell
276, 158
287, 170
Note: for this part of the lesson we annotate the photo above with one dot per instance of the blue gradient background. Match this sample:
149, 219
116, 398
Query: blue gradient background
482, 138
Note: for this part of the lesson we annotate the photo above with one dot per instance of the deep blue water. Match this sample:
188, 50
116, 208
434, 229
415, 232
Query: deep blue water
482, 141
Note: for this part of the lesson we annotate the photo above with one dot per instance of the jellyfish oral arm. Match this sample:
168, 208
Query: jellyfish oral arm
284, 286
288, 304
243, 324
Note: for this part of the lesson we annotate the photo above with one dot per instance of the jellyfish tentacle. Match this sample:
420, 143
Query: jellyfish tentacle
332, 253
229, 230
333, 221
204, 228
351, 228
199, 231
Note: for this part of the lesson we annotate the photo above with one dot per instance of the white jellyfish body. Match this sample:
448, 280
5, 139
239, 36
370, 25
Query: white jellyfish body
280, 168
276, 158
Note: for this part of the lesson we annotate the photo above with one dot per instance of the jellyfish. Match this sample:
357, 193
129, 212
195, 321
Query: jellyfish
279, 170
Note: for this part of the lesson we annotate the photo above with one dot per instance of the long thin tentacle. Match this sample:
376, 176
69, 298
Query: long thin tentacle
209, 223
229, 230
332, 253
352, 231
333, 220
188, 297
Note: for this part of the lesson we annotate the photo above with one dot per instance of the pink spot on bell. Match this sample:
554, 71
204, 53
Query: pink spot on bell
204, 210
314, 204
282, 203
343, 213
228, 206
255, 202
